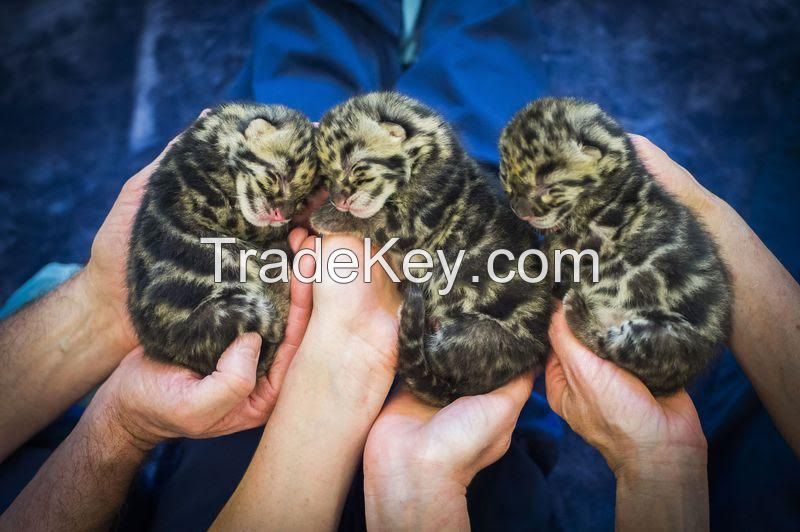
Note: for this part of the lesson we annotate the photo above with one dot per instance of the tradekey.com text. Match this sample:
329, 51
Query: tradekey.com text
417, 266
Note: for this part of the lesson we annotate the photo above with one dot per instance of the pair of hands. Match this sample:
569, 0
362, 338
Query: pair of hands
146, 401
149, 401
606, 405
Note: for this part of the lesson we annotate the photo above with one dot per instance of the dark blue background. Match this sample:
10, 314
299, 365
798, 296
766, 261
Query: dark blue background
91, 90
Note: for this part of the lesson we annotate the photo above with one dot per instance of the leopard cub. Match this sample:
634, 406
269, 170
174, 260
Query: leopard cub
395, 169
663, 300
241, 172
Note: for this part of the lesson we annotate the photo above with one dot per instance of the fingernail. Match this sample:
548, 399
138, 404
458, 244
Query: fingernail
250, 344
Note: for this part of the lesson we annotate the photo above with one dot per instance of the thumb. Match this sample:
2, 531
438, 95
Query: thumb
234, 379
555, 384
569, 351
497, 411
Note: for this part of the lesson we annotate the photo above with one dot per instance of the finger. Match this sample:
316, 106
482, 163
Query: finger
150, 168
404, 403
307, 262
679, 402
498, 410
674, 177
233, 381
299, 310
299, 313
296, 238
569, 350
555, 384
656, 159
296, 324
517, 391
133, 357
511, 397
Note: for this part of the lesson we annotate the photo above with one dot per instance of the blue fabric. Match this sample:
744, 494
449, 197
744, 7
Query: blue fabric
50, 276
477, 63
200, 476
714, 84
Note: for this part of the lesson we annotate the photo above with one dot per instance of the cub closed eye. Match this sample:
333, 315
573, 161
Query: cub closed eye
364, 181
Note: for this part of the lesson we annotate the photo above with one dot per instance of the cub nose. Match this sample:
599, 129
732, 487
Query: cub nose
341, 200
521, 208
281, 213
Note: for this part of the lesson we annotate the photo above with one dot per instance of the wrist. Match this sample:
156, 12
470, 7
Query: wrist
103, 425
666, 465
113, 325
413, 498
107, 414
668, 491
357, 369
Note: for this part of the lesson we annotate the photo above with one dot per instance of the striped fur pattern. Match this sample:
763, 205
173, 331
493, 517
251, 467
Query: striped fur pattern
663, 300
395, 169
241, 171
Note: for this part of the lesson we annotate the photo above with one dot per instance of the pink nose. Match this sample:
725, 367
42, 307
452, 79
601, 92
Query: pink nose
341, 202
276, 215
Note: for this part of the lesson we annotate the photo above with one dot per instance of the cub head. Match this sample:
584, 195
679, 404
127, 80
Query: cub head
554, 154
371, 146
269, 152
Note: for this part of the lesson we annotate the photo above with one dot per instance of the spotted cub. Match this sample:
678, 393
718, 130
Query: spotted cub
395, 169
663, 300
241, 172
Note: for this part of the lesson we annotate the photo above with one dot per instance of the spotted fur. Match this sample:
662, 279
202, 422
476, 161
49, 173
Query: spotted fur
663, 300
241, 171
396, 169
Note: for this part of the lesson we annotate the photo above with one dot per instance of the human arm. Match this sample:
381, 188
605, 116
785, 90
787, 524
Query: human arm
334, 389
766, 310
654, 446
55, 350
144, 402
420, 459
84, 482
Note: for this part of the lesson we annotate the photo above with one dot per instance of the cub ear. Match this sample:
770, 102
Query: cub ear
592, 151
259, 128
395, 131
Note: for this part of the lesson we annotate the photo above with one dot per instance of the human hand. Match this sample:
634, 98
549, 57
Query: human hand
334, 390
614, 411
360, 318
104, 276
419, 459
151, 401
677, 180
762, 339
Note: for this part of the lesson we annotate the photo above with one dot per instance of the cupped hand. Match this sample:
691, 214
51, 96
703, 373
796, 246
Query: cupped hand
359, 317
452, 444
676, 179
613, 410
419, 460
105, 273
152, 401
